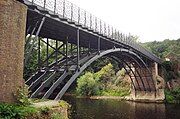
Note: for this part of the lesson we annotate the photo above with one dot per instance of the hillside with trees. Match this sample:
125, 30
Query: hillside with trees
169, 52
165, 49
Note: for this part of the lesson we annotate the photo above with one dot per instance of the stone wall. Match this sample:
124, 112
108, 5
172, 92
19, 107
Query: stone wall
12, 35
146, 96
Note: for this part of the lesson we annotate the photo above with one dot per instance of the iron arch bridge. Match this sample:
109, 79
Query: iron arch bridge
79, 38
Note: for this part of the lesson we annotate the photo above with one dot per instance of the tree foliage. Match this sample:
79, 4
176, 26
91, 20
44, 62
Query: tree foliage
103, 82
86, 84
164, 48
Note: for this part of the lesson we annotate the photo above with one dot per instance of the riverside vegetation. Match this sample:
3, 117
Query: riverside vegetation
105, 82
25, 109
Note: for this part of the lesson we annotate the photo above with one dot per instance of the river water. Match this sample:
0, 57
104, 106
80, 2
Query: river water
116, 109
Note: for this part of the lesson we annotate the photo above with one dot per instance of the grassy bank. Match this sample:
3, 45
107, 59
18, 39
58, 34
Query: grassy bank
26, 108
17, 111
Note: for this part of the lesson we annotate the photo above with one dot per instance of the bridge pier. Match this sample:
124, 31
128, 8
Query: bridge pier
12, 34
150, 94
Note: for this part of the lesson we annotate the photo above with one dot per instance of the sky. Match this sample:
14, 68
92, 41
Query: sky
150, 20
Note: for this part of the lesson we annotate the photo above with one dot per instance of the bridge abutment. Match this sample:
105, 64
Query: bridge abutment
147, 94
12, 34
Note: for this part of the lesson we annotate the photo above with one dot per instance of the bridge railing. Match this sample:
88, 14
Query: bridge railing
73, 13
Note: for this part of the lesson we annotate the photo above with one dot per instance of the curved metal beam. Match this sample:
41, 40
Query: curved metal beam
78, 72
115, 58
138, 66
145, 67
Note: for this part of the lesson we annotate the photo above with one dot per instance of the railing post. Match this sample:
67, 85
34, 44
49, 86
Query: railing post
118, 36
54, 6
112, 34
44, 4
108, 31
90, 21
115, 35
64, 9
100, 27
71, 12
85, 18
95, 24
79, 15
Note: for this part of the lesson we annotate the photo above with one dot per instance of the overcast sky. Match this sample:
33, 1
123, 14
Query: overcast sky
149, 19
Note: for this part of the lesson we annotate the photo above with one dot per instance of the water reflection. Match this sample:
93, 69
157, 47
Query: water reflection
114, 109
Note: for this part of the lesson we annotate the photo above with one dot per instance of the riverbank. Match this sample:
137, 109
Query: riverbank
41, 109
138, 96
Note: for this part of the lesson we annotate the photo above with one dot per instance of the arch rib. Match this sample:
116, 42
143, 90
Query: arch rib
77, 73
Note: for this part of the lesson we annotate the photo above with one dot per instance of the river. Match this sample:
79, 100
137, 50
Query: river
116, 109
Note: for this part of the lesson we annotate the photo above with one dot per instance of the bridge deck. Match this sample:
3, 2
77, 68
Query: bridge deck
64, 18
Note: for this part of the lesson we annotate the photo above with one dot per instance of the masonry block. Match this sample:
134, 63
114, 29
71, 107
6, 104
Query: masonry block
12, 35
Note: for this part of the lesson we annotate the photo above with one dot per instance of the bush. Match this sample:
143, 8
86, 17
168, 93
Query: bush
45, 110
86, 85
22, 96
105, 76
64, 104
104, 82
173, 96
10, 111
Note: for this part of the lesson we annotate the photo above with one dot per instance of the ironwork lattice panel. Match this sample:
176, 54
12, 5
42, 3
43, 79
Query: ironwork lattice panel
38, 2
59, 7
68, 10
50, 5
75, 13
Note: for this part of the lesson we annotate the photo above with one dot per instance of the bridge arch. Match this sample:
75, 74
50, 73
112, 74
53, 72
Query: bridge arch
83, 67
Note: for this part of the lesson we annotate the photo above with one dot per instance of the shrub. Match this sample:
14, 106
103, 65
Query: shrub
45, 110
86, 85
105, 76
173, 96
103, 82
22, 96
10, 111
64, 104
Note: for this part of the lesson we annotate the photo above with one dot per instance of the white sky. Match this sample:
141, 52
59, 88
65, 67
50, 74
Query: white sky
149, 19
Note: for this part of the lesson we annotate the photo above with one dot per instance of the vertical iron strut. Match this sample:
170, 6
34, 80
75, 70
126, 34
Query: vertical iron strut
89, 48
99, 44
56, 53
47, 52
37, 33
39, 53
78, 38
67, 53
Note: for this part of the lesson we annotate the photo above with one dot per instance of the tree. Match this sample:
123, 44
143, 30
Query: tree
86, 85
